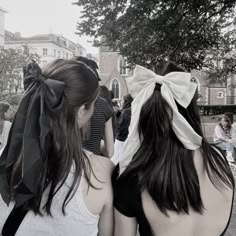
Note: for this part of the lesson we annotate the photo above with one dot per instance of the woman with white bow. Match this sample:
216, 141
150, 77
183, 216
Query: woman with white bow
171, 180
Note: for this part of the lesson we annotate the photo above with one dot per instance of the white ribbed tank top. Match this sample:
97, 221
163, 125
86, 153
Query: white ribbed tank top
78, 221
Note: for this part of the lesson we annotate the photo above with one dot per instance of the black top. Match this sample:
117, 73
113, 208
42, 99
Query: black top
123, 122
127, 200
102, 113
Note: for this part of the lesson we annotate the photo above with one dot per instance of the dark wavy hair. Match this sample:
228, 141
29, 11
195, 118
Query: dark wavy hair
127, 101
63, 150
163, 166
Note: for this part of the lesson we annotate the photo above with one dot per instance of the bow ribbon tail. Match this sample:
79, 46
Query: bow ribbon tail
182, 129
133, 141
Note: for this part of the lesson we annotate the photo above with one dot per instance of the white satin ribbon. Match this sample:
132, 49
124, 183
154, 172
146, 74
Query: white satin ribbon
175, 86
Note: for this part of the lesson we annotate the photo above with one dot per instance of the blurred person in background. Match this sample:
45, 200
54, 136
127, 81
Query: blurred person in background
5, 124
225, 136
122, 127
105, 93
123, 120
100, 125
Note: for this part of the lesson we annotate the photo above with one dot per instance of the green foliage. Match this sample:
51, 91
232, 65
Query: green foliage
11, 63
221, 62
153, 31
12, 99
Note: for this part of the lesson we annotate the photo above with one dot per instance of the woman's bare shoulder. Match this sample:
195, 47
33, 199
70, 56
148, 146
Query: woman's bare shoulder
102, 166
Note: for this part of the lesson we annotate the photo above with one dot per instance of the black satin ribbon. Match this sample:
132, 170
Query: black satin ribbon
28, 134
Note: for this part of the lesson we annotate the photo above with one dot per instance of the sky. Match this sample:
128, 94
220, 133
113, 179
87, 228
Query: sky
30, 17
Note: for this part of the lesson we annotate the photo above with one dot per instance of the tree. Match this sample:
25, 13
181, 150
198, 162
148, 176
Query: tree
153, 31
11, 64
220, 63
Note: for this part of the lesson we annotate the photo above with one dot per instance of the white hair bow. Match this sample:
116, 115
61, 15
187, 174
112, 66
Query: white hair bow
175, 86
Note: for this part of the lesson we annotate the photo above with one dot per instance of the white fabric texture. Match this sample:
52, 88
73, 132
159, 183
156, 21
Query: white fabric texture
118, 147
4, 135
78, 221
175, 86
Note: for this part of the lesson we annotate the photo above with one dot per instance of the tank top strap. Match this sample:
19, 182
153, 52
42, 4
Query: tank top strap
88, 153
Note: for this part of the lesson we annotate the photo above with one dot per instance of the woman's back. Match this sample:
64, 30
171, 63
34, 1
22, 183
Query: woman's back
44, 170
182, 184
83, 213
217, 210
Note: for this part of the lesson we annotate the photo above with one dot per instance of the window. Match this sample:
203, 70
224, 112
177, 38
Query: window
34, 50
115, 88
63, 54
58, 54
67, 55
220, 94
54, 52
45, 51
123, 66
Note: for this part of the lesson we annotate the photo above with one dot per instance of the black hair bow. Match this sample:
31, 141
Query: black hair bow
28, 135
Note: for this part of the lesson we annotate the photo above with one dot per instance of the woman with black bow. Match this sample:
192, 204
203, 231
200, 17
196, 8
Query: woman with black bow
48, 183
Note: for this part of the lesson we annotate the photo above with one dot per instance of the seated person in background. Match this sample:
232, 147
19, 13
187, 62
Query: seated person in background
230, 115
225, 137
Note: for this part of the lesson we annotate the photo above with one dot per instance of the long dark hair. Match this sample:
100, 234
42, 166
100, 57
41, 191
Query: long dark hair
63, 151
164, 167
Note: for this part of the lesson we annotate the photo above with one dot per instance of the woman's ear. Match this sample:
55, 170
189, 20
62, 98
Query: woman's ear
81, 112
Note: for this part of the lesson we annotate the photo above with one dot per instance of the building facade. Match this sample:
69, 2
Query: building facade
113, 72
113, 75
211, 94
2, 32
47, 46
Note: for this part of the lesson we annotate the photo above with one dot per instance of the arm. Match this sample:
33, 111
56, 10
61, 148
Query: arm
6, 130
233, 132
106, 221
124, 225
233, 136
107, 148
